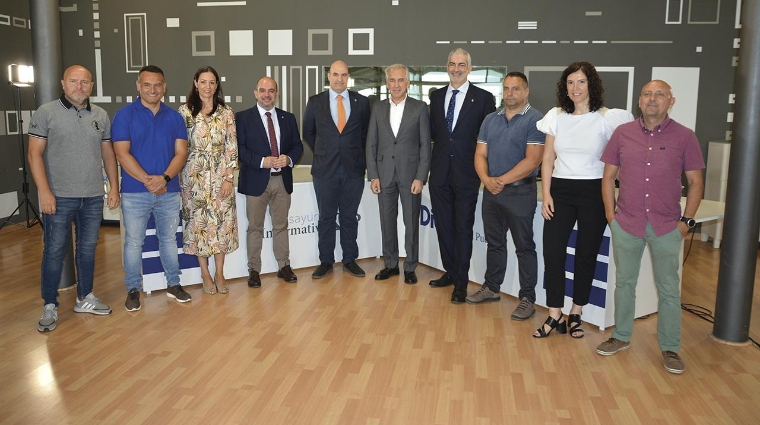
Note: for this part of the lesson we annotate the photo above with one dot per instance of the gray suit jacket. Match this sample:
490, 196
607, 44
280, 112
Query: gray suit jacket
408, 153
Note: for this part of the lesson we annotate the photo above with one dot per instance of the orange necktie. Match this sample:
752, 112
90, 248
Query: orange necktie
341, 114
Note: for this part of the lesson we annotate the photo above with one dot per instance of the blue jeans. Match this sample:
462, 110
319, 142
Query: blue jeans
86, 214
136, 209
628, 250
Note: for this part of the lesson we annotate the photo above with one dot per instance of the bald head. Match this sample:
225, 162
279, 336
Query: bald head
76, 69
338, 76
268, 81
658, 84
655, 101
77, 85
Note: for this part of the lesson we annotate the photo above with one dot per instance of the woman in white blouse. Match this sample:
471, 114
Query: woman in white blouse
571, 173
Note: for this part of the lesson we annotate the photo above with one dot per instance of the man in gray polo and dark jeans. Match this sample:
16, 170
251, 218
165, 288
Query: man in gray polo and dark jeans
509, 149
69, 144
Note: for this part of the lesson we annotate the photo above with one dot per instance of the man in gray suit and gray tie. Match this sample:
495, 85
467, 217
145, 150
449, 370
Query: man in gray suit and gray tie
398, 162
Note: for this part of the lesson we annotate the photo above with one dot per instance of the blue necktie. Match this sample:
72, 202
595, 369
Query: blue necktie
450, 111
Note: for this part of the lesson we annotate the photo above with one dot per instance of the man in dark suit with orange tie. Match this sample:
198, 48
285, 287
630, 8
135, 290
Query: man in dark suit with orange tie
335, 127
268, 146
456, 112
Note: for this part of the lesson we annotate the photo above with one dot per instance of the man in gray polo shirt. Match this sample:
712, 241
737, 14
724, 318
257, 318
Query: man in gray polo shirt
509, 149
69, 143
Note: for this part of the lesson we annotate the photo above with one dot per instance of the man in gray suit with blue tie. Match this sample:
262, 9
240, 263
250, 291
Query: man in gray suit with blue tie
398, 161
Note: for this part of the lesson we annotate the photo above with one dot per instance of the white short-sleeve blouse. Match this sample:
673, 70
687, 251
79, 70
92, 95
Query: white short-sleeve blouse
579, 140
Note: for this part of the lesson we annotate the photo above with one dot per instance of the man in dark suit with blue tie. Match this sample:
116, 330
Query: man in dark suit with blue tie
335, 127
456, 112
268, 146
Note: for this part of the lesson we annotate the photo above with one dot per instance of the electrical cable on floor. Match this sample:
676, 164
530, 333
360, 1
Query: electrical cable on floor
698, 310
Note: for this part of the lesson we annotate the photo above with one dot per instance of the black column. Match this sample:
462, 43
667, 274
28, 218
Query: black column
48, 71
738, 257
46, 49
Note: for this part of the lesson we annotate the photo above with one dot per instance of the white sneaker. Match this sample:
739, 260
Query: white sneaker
48, 319
91, 304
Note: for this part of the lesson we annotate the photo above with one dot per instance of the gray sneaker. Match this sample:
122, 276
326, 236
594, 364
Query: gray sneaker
673, 362
91, 304
612, 346
178, 293
48, 319
483, 295
524, 310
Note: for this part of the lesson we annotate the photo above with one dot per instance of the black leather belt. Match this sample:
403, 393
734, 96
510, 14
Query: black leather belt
527, 180
275, 174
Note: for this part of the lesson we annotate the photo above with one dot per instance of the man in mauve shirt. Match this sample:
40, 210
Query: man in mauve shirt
648, 156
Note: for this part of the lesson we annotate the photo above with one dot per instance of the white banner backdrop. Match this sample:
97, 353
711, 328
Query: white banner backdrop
304, 216
303, 219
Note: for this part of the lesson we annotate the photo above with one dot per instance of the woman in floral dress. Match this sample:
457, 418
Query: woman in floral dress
208, 198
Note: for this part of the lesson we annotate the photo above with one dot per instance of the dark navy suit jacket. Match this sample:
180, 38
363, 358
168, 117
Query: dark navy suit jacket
253, 145
454, 155
330, 147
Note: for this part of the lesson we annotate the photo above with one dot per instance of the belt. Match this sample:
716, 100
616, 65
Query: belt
527, 180
275, 174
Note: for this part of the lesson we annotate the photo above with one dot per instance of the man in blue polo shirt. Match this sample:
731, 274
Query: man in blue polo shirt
509, 149
150, 141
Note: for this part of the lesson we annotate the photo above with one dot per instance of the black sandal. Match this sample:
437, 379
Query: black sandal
575, 322
553, 324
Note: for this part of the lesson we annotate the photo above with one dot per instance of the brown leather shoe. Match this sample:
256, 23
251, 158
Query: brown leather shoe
254, 281
286, 274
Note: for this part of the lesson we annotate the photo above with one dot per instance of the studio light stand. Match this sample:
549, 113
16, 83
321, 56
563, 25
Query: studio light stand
22, 76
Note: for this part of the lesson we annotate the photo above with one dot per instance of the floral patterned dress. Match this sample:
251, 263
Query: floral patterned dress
210, 222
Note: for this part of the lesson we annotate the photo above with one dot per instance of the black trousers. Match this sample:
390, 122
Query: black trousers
338, 196
512, 210
454, 205
574, 201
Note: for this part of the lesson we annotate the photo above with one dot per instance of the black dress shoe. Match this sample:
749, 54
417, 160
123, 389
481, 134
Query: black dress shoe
459, 295
354, 269
444, 280
386, 273
410, 278
286, 274
323, 270
254, 281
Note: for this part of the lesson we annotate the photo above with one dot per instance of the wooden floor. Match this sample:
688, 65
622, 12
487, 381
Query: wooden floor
344, 350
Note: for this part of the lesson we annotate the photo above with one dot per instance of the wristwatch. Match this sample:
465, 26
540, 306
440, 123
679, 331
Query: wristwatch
689, 222
167, 178
230, 176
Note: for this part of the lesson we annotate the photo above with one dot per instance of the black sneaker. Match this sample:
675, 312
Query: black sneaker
322, 271
354, 269
133, 300
178, 293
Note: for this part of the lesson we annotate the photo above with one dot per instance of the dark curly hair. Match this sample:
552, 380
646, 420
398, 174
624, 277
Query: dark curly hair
194, 101
595, 87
